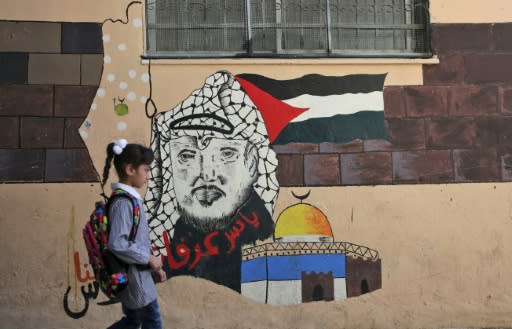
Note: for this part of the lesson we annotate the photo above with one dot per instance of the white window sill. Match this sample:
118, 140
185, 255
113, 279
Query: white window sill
294, 61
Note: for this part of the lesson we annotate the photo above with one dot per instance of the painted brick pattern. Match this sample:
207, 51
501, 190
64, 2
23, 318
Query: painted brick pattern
456, 127
50, 73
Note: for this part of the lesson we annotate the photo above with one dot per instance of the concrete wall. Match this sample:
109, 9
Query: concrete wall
443, 246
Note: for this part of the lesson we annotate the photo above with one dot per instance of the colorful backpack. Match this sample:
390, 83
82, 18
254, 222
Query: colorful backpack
109, 271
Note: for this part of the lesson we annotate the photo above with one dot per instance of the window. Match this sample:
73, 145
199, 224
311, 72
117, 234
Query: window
287, 28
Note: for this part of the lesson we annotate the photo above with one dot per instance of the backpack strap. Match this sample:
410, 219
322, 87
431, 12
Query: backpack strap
119, 193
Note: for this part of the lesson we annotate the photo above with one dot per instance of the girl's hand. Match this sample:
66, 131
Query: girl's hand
160, 276
155, 263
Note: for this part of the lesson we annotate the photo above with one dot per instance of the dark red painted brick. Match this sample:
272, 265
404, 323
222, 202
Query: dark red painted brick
394, 102
296, 148
449, 38
35, 100
502, 37
477, 165
9, 132
488, 68
450, 70
407, 133
322, 169
73, 101
72, 138
21, 165
42, 132
423, 166
504, 134
426, 101
449, 132
505, 95
373, 145
487, 131
366, 168
71, 165
290, 171
354, 146
473, 100
506, 167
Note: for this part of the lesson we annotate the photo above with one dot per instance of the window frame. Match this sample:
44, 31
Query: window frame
301, 53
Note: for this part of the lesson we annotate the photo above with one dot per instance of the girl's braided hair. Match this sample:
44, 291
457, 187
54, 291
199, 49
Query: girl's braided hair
132, 154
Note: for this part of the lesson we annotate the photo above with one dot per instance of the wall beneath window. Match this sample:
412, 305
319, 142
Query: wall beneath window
443, 245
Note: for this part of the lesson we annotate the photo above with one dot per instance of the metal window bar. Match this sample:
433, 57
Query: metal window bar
287, 28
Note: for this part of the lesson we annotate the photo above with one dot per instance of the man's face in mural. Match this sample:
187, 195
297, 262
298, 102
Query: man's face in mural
212, 178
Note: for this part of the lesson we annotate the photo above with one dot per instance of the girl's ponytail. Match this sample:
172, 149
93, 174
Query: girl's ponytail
108, 162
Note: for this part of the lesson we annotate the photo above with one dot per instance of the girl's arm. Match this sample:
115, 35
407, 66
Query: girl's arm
121, 222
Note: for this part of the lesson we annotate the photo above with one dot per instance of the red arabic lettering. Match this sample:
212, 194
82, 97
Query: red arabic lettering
182, 250
254, 221
78, 269
212, 250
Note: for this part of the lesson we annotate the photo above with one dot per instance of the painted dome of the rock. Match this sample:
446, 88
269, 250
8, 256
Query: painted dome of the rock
302, 222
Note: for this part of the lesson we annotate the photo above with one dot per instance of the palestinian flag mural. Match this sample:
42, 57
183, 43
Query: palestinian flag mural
317, 108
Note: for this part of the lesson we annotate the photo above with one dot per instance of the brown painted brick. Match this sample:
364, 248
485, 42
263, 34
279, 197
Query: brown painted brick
9, 132
487, 131
354, 146
502, 37
423, 166
494, 131
91, 67
73, 101
36, 37
506, 167
72, 138
505, 96
21, 165
292, 148
426, 101
60, 69
375, 145
449, 133
394, 102
42, 132
450, 70
488, 68
290, 171
504, 135
71, 165
366, 168
477, 165
449, 38
26, 100
322, 169
407, 133
473, 100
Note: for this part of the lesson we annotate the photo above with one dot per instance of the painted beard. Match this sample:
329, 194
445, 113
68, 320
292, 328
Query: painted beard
209, 208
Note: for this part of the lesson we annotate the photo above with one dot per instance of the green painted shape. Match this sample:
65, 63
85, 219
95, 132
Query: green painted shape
121, 109
336, 129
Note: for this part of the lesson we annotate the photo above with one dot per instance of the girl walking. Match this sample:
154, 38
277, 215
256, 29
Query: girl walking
139, 299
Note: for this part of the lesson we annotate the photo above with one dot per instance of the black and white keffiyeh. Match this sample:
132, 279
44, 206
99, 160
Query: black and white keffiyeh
220, 109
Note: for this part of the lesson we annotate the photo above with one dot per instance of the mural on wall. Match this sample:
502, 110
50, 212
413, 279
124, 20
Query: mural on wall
214, 185
304, 263
339, 108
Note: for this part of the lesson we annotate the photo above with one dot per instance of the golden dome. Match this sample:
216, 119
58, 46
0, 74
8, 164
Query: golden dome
302, 222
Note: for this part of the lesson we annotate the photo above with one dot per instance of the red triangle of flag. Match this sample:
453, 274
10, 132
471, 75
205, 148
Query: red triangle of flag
276, 113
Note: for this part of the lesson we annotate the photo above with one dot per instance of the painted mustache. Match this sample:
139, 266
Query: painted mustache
207, 194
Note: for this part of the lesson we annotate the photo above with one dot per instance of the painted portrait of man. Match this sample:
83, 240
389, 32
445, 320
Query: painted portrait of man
213, 185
